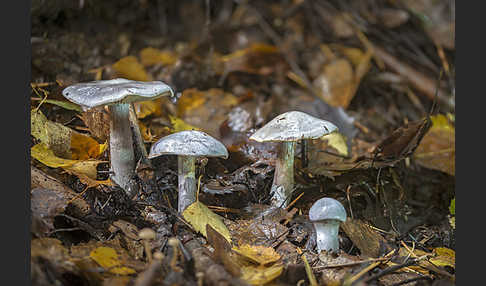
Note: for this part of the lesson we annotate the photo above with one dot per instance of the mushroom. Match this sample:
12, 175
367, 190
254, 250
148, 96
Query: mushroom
118, 94
288, 128
146, 235
326, 215
187, 145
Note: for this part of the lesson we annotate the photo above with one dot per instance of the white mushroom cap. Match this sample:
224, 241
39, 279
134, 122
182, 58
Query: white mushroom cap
327, 208
119, 90
293, 126
188, 143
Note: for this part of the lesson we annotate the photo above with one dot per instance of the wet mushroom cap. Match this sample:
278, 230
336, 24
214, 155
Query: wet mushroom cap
188, 143
293, 126
120, 90
326, 209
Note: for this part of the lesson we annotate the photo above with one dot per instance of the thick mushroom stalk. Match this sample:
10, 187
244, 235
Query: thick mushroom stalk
327, 235
327, 214
283, 180
121, 146
118, 94
187, 181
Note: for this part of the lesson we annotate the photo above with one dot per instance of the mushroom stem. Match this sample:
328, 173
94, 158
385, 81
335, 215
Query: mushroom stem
327, 235
121, 146
283, 180
139, 144
187, 182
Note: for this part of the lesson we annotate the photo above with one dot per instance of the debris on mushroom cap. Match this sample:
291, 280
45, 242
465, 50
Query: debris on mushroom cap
327, 208
119, 90
293, 126
146, 233
188, 143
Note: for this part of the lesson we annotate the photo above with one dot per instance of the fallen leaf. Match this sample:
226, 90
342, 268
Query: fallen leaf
179, 125
46, 156
151, 56
438, 147
258, 254
63, 141
260, 275
199, 215
444, 257
337, 141
148, 107
107, 258
130, 68
84, 147
206, 110
56, 136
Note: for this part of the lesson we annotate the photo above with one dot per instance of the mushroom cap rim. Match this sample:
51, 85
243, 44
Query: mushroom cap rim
280, 130
179, 144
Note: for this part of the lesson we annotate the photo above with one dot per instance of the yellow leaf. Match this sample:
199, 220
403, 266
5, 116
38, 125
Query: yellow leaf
199, 215
107, 258
149, 107
56, 136
84, 147
179, 124
46, 156
338, 142
150, 56
190, 99
63, 141
259, 275
130, 68
444, 257
438, 147
257, 253
253, 48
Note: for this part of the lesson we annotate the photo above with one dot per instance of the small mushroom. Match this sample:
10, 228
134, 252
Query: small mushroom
187, 145
288, 128
118, 94
146, 235
326, 214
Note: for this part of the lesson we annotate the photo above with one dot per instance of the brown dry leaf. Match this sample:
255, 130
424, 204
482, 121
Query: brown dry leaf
340, 78
438, 147
130, 68
98, 122
107, 258
258, 58
199, 215
151, 56
206, 110
368, 241
45, 204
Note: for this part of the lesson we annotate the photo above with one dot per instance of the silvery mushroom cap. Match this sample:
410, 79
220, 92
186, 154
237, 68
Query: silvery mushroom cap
188, 143
119, 90
293, 126
327, 209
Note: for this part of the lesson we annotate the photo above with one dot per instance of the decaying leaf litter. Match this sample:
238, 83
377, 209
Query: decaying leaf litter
370, 67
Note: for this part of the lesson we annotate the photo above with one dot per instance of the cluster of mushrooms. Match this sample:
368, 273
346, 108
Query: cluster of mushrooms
287, 128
